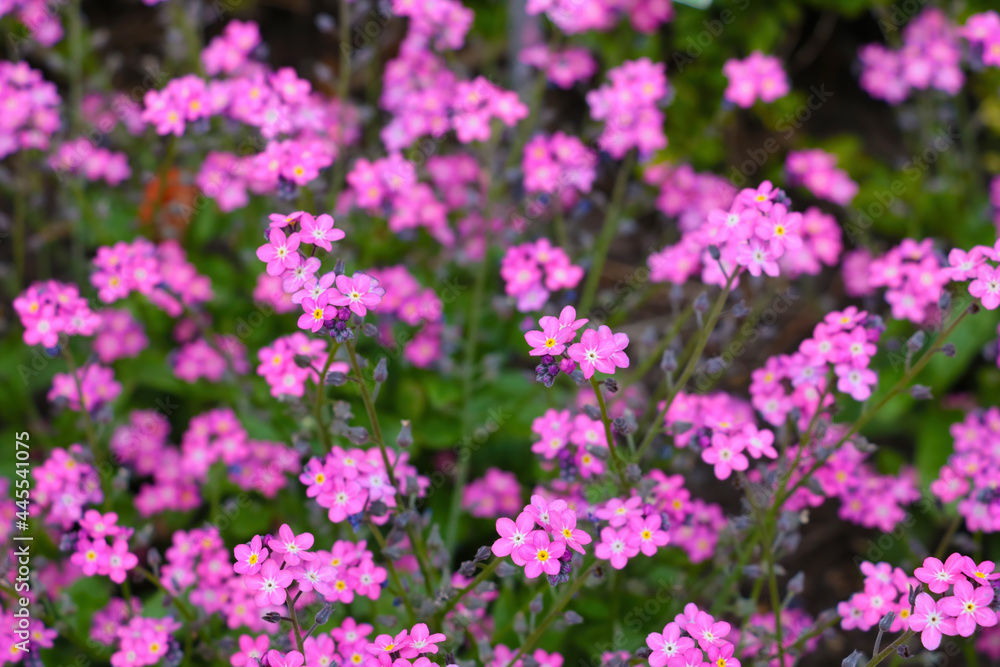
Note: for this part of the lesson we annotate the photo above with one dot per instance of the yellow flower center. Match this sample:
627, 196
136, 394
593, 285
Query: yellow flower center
543, 555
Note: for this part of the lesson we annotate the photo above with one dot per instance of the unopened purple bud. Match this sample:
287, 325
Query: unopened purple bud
921, 392
701, 303
567, 366
344, 314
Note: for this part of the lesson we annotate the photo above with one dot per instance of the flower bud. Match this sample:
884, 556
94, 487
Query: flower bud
405, 437
324, 614
853, 660
357, 434
713, 252
921, 392
381, 372
467, 569
611, 385
948, 349
482, 554
701, 303
886, 621
915, 342
336, 378
903, 651
668, 364
369, 329
302, 361
272, 617
340, 268
797, 583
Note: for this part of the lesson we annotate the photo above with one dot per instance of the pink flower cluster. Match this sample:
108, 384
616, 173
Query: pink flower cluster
50, 309
633, 527
969, 605
160, 272
559, 166
930, 57
145, 641
415, 306
120, 336
755, 636
982, 31
758, 232
629, 107
30, 107
755, 77
817, 170
693, 637
94, 554
64, 484
497, 493
564, 67
199, 359
228, 53
345, 482
576, 442
576, 16
97, 382
42, 23
532, 271
548, 550
970, 474
598, 350
913, 277
177, 472
80, 156
284, 374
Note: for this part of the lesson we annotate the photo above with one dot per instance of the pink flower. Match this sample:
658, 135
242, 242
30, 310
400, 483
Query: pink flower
541, 555
600, 350
939, 576
320, 231
563, 526
707, 631
280, 252
986, 287
290, 659
540, 509
118, 561
384, 645
269, 584
930, 620
249, 557
667, 644
722, 656
758, 257
648, 531
343, 499
359, 293
422, 641
970, 607
982, 573
617, 546
857, 382
294, 547
551, 339
513, 536
317, 312
726, 454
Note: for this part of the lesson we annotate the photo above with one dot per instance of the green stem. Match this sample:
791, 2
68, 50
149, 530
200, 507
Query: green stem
324, 432
890, 649
295, 622
181, 605
616, 462
366, 398
561, 603
654, 357
393, 574
611, 220
692, 362
485, 573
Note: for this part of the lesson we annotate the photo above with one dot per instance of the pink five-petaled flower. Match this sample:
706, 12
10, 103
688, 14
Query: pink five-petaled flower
617, 546
385, 645
290, 659
567, 319
317, 312
280, 252
726, 454
722, 656
563, 525
649, 533
982, 573
119, 560
541, 555
970, 606
320, 231
269, 584
986, 287
359, 293
551, 339
665, 645
294, 547
421, 641
513, 536
541, 510
939, 576
249, 557
600, 350
931, 621
707, 631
